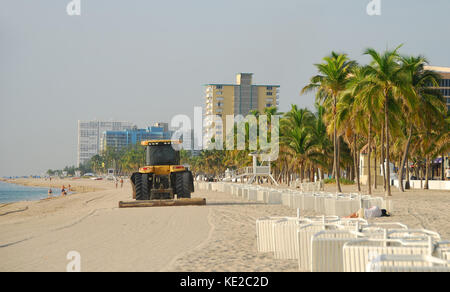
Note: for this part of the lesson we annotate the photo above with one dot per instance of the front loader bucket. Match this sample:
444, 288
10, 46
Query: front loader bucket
163, 203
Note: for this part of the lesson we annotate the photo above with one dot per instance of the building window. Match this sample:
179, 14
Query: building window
269, 93
219, 87
269, 88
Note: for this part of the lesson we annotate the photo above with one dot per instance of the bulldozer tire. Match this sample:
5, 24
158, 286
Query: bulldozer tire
133, 183
142, 191
183, 184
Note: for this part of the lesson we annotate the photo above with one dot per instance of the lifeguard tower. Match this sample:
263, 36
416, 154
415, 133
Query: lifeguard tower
260, 169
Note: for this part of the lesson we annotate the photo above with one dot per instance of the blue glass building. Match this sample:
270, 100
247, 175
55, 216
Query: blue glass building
119, 140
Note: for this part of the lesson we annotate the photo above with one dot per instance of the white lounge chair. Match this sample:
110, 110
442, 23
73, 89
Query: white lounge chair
408, 263
326, 248
358, 253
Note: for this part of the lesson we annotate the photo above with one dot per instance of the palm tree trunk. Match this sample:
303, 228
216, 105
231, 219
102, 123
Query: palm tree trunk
375, 167
336, 149
427, 169
386, 125
383, 164
369, 152
356, 162
338, 165
405, 157
301, 173
358, 177
407, 184
421, 177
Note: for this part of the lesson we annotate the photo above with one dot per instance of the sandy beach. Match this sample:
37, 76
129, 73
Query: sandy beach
36, 236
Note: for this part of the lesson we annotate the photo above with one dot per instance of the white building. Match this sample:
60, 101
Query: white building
90, 133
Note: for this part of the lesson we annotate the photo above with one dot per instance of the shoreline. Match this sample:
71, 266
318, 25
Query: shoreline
77, 187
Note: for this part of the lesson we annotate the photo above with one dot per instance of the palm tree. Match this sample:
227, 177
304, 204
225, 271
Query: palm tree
428, 108
388, 78
323, 145
96, 163
330, 83
297, 136
369, 101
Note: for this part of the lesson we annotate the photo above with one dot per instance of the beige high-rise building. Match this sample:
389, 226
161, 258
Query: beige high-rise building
444, 85
237, 99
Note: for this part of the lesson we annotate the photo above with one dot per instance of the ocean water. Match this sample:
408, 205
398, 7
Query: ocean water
15, 193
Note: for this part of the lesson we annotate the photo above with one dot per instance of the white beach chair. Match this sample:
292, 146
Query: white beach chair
413, 235
358, 253
408, 263
252, 194
319, 203
386, 225
326, 248
274, 197
286, 198
285, 237
304, 236
297, 200
264, 233
308, 202
442, 250
262, 195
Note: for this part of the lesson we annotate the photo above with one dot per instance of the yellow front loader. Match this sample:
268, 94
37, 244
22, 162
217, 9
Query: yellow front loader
163, 178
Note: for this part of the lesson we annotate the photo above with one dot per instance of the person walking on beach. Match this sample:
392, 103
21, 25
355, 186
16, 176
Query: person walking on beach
50, 192
117, 183
63, 191
121, 183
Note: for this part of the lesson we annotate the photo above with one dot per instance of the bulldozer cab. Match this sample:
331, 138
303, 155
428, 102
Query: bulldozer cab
162, 153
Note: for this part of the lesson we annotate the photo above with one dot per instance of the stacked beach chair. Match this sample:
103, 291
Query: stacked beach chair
309, 198
331, 243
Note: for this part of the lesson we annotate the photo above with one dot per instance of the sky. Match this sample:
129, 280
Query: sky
145, 61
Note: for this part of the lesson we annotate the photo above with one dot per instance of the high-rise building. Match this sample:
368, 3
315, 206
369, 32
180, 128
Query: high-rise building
89, 136
444, 85
237, 99
119, 140
165, 126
